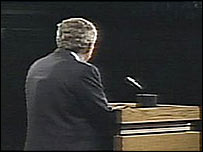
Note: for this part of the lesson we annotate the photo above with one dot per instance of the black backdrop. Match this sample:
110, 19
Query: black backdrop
158, 43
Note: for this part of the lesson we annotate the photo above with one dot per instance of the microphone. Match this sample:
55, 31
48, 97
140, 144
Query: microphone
133, 82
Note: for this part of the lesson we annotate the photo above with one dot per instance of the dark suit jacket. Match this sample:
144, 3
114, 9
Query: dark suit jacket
66, 106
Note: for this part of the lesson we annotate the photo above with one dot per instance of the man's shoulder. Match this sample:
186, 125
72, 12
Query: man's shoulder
62, 66
88, 68
40, 60
88, 65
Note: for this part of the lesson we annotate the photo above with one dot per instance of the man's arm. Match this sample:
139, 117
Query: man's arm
94, 101
90, 97
91, 93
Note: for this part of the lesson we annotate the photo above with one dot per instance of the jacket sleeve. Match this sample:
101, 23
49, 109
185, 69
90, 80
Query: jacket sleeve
92, 97
91, 90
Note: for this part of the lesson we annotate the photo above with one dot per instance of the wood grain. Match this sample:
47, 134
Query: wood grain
188, 141
132, 114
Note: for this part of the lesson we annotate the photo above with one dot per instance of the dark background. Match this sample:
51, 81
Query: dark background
157, 43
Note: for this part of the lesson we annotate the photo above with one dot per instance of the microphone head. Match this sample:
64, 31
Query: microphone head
133, 82
130, 79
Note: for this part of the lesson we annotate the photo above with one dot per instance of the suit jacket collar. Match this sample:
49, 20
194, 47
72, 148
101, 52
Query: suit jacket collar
67, 53
63, 53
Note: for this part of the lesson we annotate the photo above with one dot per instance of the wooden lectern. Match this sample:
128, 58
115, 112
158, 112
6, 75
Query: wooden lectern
160, 128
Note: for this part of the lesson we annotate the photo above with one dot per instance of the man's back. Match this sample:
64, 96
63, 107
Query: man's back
66, 105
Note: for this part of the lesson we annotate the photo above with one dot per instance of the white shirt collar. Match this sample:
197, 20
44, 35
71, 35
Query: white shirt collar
76, 56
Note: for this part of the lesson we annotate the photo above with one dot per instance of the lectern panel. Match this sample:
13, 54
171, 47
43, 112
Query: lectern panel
185, 141
160, 128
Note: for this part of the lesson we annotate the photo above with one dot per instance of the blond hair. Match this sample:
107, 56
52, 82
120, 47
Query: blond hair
76, 34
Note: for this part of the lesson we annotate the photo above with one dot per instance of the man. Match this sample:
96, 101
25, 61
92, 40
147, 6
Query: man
66, 105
